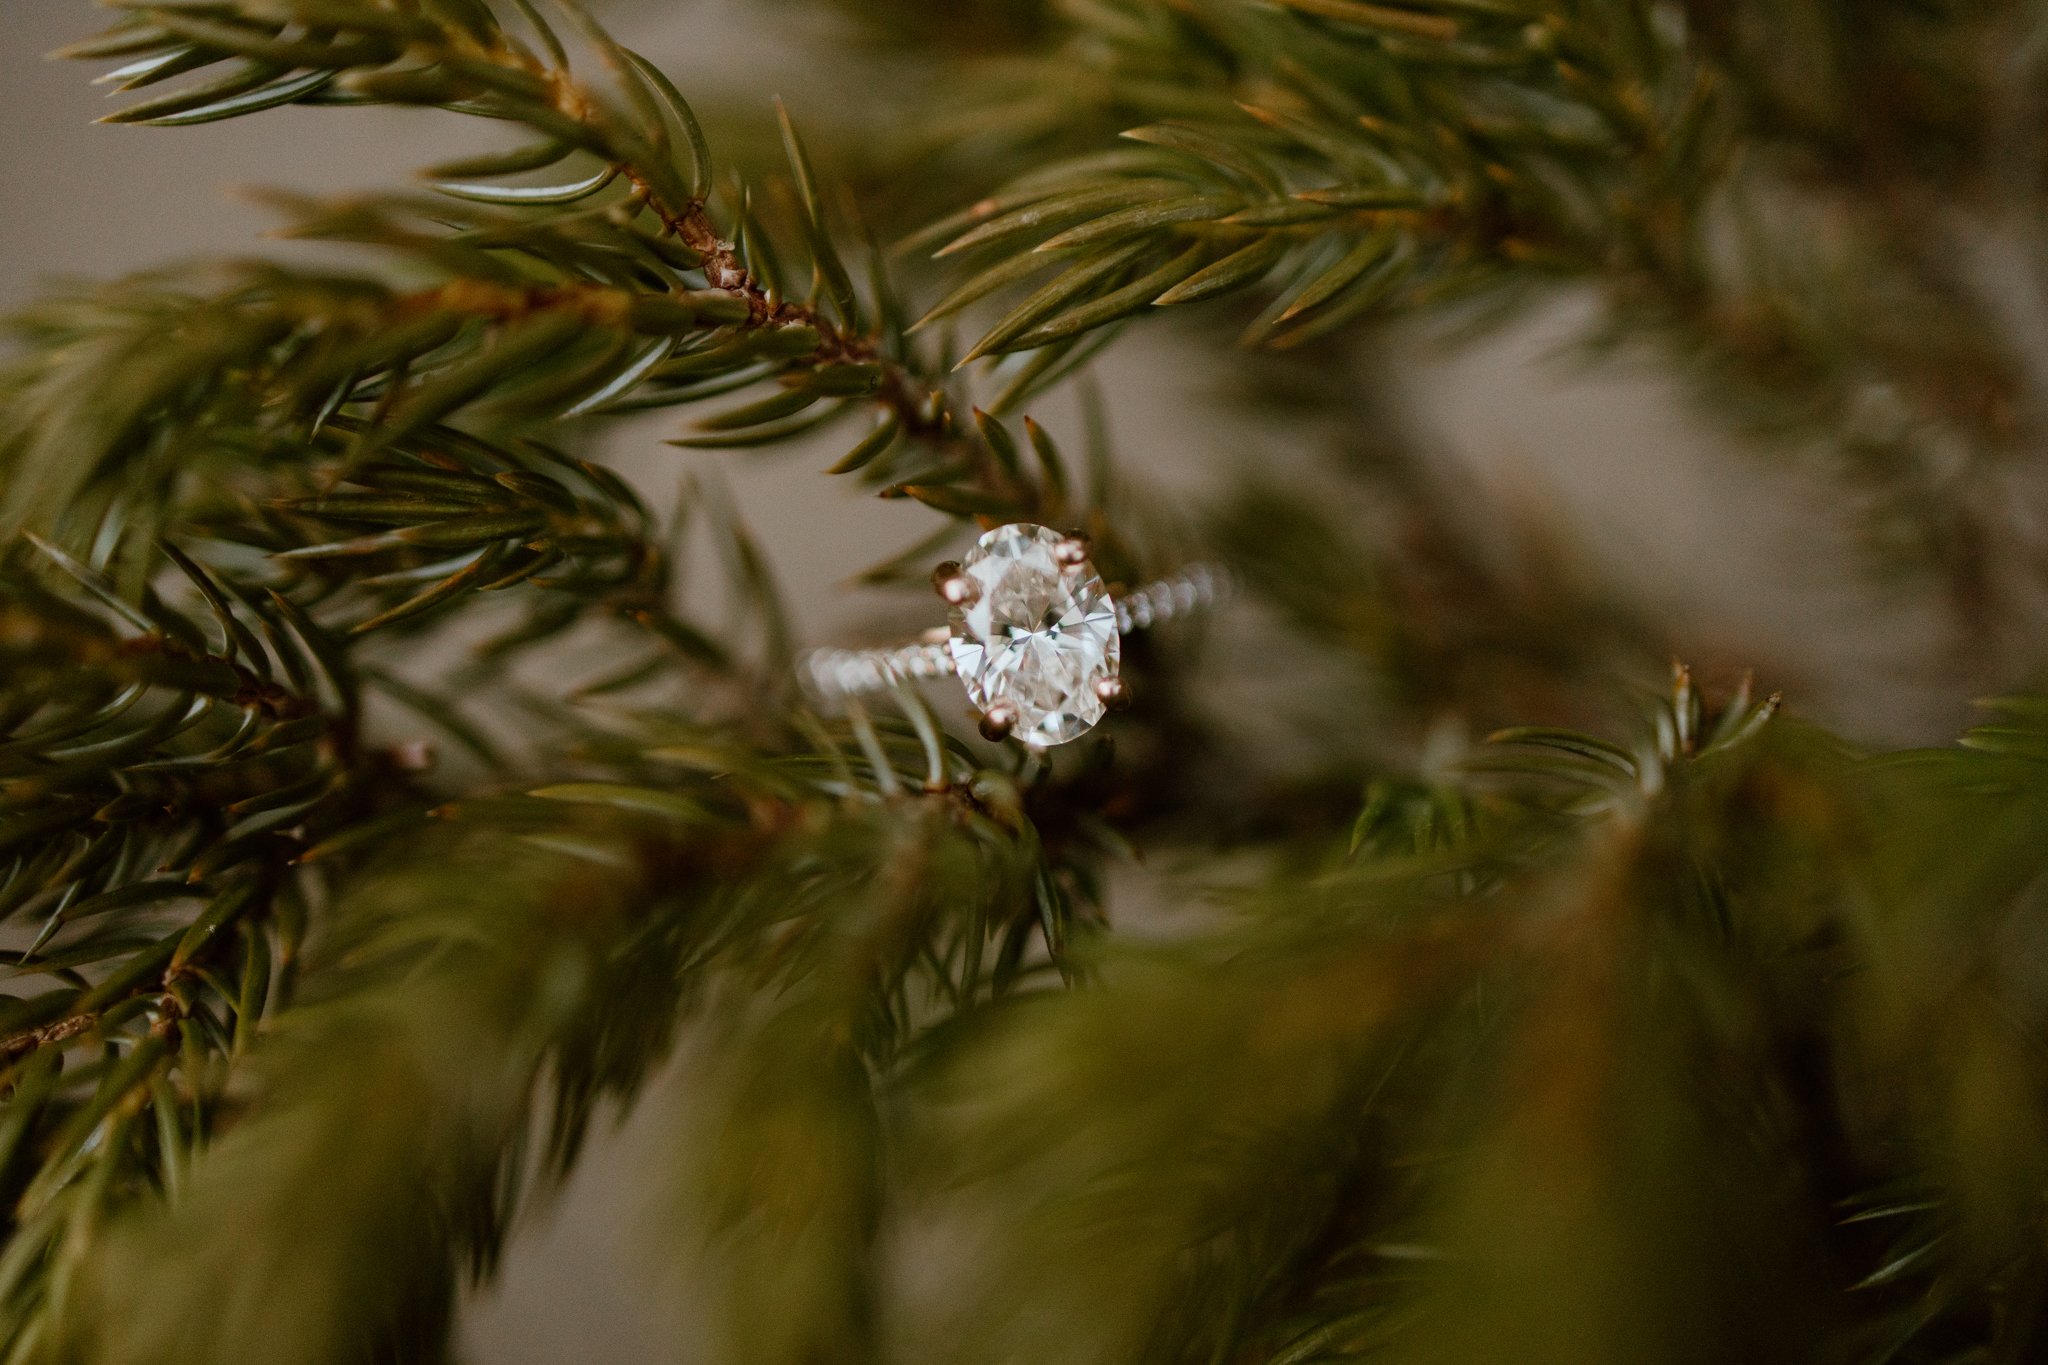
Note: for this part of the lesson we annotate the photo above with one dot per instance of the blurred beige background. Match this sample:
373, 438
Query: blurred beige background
1609, 455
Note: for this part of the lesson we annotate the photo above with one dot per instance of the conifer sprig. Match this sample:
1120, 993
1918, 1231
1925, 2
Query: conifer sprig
1346, 163
625, 196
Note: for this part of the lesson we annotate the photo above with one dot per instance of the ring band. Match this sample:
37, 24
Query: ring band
1034, 636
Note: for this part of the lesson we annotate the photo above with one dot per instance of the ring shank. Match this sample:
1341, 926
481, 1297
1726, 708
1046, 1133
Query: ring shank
829, 674
1195, 588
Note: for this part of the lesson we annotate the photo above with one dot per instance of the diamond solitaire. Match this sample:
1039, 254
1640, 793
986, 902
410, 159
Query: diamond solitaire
1036, 639
1034, 633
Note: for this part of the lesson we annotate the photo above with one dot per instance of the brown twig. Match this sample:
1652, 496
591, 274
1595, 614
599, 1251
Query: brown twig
919, 407
30, 1039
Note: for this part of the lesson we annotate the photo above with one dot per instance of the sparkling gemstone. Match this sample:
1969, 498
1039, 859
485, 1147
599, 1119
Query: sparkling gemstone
1035, 637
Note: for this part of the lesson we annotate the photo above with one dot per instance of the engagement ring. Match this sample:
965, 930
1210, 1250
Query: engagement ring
1035, 637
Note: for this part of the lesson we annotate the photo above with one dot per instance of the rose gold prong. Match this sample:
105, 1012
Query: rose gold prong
1113, 692
1072, 551
998, 721
954, 584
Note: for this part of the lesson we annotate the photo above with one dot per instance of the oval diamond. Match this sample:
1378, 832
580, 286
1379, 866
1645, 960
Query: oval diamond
1035, 638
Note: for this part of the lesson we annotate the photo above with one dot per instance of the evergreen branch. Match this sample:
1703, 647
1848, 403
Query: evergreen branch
1302, 137
716, 314
1407, 1110
458, 982
155, 790
292, 389
467, 61
159, 776
378, 1160
1282, 152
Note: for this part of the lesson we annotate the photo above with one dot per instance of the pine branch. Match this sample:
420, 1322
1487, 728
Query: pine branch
819, 351
1349, 167
1418, 1128
538, 945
